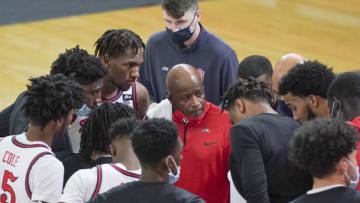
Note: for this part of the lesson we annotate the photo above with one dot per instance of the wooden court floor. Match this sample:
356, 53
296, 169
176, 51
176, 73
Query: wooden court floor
327, 30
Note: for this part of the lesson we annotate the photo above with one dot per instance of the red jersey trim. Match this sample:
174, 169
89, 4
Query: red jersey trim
27, 186
124, 172
21, 145
134, 94
98, 183
117, 96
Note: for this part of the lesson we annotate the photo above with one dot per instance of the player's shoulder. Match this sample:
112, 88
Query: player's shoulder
157, 37
48, 159
6, 139
86, 174
217, 113
218, 45
141, 90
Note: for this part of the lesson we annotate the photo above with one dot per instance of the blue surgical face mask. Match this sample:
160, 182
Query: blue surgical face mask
352, 183
84, 111
173, 177
182, 35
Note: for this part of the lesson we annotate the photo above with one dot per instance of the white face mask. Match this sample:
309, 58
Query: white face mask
352, 183
173, 177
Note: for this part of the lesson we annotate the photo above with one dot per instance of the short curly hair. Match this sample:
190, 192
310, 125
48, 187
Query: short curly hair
114, 43
79, 65
318, 145
255, 66
349, 81
95, 131
154, 139
311, 77
249, 89
123, 127
50, 98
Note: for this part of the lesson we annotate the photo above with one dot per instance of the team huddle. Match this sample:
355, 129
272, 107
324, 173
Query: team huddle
167, 121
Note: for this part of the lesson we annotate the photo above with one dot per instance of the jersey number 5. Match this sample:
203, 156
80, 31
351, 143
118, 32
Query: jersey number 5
7, 188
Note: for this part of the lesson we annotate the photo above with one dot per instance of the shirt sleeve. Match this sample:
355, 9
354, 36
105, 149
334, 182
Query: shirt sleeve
46, 179
79, 187
247, 167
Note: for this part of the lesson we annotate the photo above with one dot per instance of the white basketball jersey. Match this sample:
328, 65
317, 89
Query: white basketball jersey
88, 183
75, 132
21, 179
127, 97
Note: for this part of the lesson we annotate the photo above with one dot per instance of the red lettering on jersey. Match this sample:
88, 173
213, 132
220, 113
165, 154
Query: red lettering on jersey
10, 158
3, 159
81, 123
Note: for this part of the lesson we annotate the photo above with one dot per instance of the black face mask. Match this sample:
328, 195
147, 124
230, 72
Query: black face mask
182, 35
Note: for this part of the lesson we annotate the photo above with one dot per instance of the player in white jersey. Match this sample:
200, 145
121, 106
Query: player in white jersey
121, 52
89, 72
88, 183
95, 139
29, 170
127, 97
21, 162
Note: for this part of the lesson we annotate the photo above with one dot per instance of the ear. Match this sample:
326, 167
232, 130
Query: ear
198, 14
342, 166
106, 61
174, 107
313, 101
60, 122
112, 150
239, 105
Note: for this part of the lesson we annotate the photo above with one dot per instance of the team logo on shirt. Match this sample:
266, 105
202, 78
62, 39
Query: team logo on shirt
164, 68
209, 143
127, 97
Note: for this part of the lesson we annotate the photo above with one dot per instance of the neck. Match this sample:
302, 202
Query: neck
194, 36
261, 108
324, 111
328, 181
96, 155
151, 175
109, 89
35, 133
128, 158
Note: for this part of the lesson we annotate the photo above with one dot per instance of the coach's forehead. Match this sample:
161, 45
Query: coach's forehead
182, 76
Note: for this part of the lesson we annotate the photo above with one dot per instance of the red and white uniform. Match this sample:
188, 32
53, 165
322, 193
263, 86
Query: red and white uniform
127, 97
87, 183
75, 132
28, 171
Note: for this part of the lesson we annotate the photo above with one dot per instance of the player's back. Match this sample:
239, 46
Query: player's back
28, 171
88, 183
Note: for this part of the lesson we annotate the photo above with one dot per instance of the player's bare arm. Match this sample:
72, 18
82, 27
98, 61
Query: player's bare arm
142, 101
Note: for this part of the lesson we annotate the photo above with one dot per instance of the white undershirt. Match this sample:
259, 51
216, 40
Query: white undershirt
321, 189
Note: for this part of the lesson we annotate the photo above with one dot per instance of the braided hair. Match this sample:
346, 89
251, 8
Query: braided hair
249, 89
94, 135
114, 43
